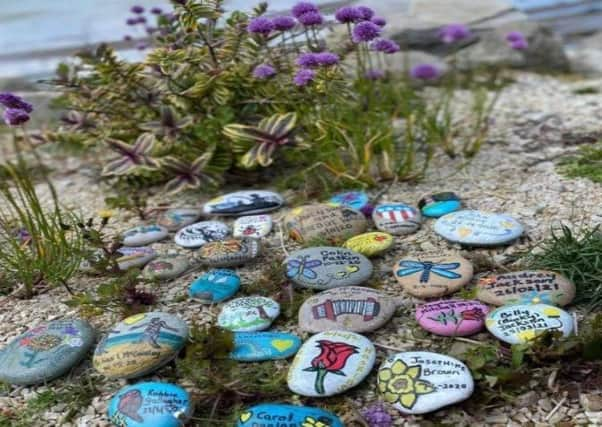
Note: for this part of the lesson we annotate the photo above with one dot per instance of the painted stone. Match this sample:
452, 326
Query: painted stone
174, 219
253, 226
244, 203
259, 346
352, 308
140, 344
165, 268
248, 314
144, 235
526, 287
478, 228
517, 324
135, 257
396, 218
330, 363
324, 222
45, 352
276, 415
370, 244
229, 253
326, 267
150, 404
452, 318
196, 235
214, 286
439, 204
357, 200
417, 382
431, 276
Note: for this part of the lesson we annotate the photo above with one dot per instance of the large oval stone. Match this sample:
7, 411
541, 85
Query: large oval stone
323, 222
174, 219
396, 218
229, 253
476, 228
259, 346
140, 344
214, 286
330, 363
417, 382
144, 235
325, 267
244, 203
517, 324
357, 200
131, 257
439, 204
248, 314
165, 268
150, 404
255, 226
526, 287
45, 352
276, 415
370, 244
452, 317
196, 235
352, 308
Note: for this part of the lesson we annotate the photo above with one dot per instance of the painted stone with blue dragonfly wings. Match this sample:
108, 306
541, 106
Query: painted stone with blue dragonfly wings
428, 276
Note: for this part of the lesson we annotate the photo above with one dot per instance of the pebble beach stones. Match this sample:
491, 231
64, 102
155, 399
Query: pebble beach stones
45, 352
150, 404
248, 314
330, 363
478, 228
259, 346
357, 200
439, 204
352, 308
280, 415
228, 253
418, 382
396, 218
325, 267
196, 235
429, 276
253, 226
517, 324
215, 286
140, 344
144, 235
324, 222
526, 287
165, 268
244, 203
452, 317
135, 257
370, 244
174, 219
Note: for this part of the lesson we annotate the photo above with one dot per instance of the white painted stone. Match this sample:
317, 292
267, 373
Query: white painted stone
244, 203
144, 235
196, 235
248, 314
396, 218
253, 226
478, 228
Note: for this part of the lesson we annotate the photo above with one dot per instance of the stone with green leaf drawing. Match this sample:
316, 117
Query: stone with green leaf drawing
247, 314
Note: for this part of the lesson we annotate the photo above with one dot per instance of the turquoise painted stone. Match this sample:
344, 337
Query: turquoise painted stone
476, 228
150, 404
357, 200
45, 352
258, 346
216, 285
276, 415
439, 204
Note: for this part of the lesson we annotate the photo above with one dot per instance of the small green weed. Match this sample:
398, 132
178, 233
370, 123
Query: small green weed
585, 164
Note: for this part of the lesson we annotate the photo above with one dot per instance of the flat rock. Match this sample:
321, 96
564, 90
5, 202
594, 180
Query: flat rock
452, 318
417, 382
438, 204
165, 268
244, 203
215, 286
253, 226
228, 253
259, 346
323, 222
370, 244
431, 276
276, 415
396, 218
248, 314
526, 287
150, 404
326, 267
45, 352
197, 234
140, 344
476, 228
357, 200
330, 363
515, 324
174, 219
144, 235
135, 257
351, 308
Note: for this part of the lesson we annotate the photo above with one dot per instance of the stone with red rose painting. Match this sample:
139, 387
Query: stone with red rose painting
255, 226
330, 363
452, 317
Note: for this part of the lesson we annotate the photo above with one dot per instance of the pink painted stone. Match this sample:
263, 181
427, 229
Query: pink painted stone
452, 317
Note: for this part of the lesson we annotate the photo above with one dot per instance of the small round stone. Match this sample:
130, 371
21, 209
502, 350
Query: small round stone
144, 235
439, 204
135, 257
370, 244
396, 218
196, 235
324, 223
248, 314
452, 318
165, 268
255, 226
229, 253
476, 228
174, 219
244, 203
269, 414
214, 286
260, 346
357, 200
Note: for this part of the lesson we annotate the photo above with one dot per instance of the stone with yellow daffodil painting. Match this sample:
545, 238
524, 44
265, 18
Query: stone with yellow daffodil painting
477, 228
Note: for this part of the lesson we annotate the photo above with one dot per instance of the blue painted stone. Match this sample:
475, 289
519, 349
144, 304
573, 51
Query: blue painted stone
357, 200
478, 228
150, 404
274, 414
439, 204
45, 352
258, 346
215, 286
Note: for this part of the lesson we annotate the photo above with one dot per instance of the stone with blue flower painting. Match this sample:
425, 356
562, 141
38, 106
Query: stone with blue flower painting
216, 285
357, 200
275, 414
144, 235
260, 346
477, 228
396, 218
438, 204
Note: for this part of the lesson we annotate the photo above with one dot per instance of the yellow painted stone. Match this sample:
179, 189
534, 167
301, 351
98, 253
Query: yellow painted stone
370, 244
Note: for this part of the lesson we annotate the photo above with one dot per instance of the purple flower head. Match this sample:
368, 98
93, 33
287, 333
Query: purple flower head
304, 77
131, 21
514, 36
151, 30
381, 22
311, 18
15, 116
156, 11
348, 14
365, 31
127, 38
283, 23
263, 71
454, 32
141, 46
385, 45
519, 44
261, 25
137, 9
375, 74
425, 72
302, 8
327, 58
308, 60
141, 20
376, 416
10, 100
366, 12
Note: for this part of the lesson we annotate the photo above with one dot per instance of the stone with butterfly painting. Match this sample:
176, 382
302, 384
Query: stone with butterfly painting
229, 253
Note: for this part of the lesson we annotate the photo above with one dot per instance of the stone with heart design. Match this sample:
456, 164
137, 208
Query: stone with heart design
439, 204
370, 244
477, 228
197, 234
259, 346
277, 414
248, 314
323, 222
174, 219
134, 257
326, 267
244, 203
255, 226
165, 268
357, 200
330, 363
229, 253
396, 218
452, 317
144, 235
214, 286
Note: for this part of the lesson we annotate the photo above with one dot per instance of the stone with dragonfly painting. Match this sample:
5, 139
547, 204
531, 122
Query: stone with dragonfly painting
452, 317
45, 352
200, 233
357, 200
248, 314
438, 204
396, 218
370, 244
165, 268
244, 203
476, 228
260, 346
134, 257
174, 219
144, 235
351, 308
330, 363
282, 415
229, 253
215, 286
418, 382
255, 226
431, 276
323, 222
326, 267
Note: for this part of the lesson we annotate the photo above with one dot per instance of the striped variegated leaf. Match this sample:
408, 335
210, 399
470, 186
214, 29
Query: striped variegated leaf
131, 157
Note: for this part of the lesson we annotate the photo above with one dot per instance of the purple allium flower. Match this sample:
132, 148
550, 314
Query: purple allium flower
376, 416
365, 31
454, 32
127, 38
15, 116
348, 14
366, 12
137, 9
131, 21
263, 71
283, 23
425, 72
519, 44
141, 46
514, 36
261, 25
311, 18
385, 45
156, 11
304, 77
517, 40
302, 8
10, 100
308, 60
327, 58
375, 74
381, 22
141, 20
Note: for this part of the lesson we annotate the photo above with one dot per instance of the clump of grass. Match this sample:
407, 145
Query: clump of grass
585, 164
